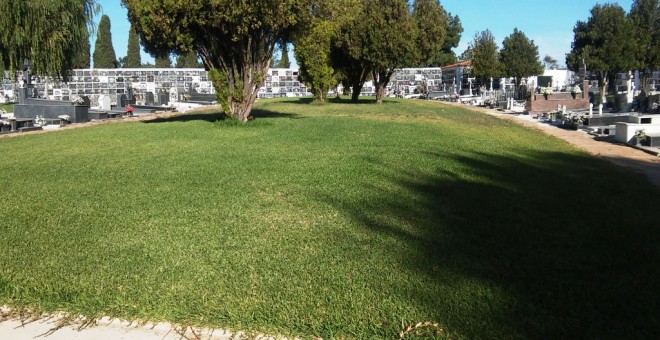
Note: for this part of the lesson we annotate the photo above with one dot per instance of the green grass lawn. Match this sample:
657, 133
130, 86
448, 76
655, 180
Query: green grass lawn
334, 220
7, 107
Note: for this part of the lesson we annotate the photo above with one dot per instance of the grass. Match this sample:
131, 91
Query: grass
7, 107
334, 220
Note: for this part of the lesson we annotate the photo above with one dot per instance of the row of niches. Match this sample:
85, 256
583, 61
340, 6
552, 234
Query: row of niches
151, 78
137, 72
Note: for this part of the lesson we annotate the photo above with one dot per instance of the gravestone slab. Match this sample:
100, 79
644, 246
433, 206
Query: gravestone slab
105, 103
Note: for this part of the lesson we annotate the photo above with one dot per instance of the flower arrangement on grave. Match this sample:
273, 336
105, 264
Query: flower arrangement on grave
546, 91
576, 90
77, 100
64, 117
639, 136
4, 122
40, 121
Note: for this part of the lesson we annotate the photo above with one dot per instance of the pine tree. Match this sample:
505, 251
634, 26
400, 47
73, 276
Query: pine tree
133, 58
104, 53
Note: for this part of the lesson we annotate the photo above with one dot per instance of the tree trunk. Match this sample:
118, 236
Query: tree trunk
355, 95
381, 79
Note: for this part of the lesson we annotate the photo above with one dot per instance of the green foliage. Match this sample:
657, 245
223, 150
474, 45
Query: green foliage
520, 57
31, 30
83, 58
188, 60
312, 53
352, 222
236, 37
284, 59
604, 42
645, 18
163, 61
121, 62
104, 53
380, 38
485, 56
550, 62
133, 57
432, 24
454, 31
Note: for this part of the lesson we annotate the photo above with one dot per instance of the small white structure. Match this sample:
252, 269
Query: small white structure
649, 123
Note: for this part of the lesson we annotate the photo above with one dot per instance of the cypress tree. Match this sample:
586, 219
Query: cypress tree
133, 58
104, 53
284, 60
82, 59
188, 60
163, 61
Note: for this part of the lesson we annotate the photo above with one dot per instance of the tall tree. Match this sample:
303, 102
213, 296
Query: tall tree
550, 62
485, 56
82, 59
133, 57
234, 38
188, 60
284, 59
431, 21
313, 43
104, 53
454, 31
379, 40
520, 57
29, 30
604, 42
645, 18
163, 61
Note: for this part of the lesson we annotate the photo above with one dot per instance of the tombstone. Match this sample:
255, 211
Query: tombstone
629, 88
163, 98
86, 101
129, 95
122, 101
582, 71
105, 103
563, 109
591, 109
149, 98
600, 108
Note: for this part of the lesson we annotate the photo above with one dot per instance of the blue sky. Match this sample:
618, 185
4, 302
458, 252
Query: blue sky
548, 23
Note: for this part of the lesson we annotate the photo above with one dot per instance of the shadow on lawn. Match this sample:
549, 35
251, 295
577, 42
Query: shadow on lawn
215, 116
555, 246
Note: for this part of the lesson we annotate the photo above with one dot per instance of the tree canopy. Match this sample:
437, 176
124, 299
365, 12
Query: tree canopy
432, 24
379, 39
485, 56
284, 61
234, 38
645, 19
454, 31
605, 43
550, 62
133, 57
104, 53
83, 58
29, 30
188, 60
163, 61
519, 57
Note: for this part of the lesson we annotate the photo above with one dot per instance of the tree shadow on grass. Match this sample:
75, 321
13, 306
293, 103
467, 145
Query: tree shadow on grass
541, 245
216, 116
333, 100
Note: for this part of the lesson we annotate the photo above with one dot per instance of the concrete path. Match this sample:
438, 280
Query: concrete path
58, 327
